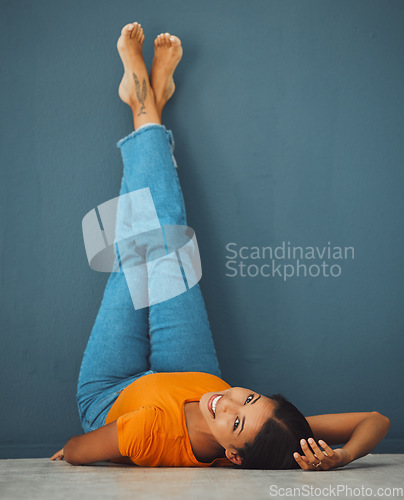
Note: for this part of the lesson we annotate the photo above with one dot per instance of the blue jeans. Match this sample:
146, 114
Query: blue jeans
171, 336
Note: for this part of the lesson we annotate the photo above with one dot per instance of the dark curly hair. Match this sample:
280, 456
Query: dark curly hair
278, 439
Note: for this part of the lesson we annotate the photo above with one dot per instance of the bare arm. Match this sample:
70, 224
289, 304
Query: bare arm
95, 446
359, 432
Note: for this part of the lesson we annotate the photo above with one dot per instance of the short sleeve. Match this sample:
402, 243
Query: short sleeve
135, 434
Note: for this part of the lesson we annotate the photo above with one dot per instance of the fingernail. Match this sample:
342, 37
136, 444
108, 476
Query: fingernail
302, 441
311, 440
296, 455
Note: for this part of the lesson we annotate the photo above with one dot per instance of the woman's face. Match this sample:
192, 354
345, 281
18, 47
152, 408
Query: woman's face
235, 416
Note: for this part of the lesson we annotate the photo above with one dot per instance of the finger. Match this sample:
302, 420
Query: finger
317, 451
307, 451
302, 463
310, 466
329, 451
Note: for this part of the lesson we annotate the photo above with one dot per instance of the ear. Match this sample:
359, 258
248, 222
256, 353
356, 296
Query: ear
233, 456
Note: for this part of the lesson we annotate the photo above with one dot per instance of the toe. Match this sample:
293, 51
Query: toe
135, 31
126, 30
139, 34
175, 40
167, 39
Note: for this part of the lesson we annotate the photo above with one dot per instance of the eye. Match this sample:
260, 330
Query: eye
249, 399
236, 423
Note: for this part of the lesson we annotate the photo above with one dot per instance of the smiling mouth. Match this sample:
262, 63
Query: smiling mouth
212, 403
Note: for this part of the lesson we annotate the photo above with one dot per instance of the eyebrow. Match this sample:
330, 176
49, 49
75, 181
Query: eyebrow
255, 400
242, 423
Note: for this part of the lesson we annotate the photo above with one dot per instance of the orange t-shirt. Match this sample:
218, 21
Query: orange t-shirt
151, 422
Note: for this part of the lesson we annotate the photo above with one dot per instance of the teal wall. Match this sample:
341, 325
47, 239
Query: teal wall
289, 127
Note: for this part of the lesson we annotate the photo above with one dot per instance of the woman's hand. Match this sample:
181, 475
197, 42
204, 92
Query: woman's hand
59, 455
316, 459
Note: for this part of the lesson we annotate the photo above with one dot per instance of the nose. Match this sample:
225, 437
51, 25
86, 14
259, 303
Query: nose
229, 405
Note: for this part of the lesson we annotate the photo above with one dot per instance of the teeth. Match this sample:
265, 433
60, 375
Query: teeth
214, 403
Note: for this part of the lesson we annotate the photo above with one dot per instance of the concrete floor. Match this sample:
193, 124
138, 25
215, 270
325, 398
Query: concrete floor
43, 479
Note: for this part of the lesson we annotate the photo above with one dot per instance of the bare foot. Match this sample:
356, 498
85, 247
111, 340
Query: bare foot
167, 55
134, 89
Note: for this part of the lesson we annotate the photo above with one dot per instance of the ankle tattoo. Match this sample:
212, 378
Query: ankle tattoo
141, 94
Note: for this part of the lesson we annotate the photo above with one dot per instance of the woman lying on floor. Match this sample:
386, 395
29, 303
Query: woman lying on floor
149, 390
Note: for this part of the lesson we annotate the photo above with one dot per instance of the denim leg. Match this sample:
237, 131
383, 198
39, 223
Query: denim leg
148, 161
180, 334
118, 348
